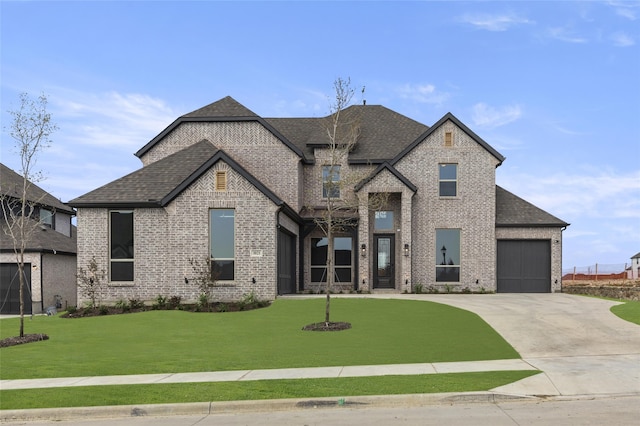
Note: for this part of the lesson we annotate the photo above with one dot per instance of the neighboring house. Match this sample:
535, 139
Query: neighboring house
633, 272
50, 255
226, 184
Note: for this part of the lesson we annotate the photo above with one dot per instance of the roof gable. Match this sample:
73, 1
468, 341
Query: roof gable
513, 211
388, 167
449, 117
225, 110
159, 183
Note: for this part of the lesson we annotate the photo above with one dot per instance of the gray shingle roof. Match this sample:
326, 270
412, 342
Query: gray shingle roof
512, 210
11, 185
44, 240
383, 132
225, 107
158, 183
149, 185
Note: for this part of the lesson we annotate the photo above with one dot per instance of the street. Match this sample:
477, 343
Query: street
621, 410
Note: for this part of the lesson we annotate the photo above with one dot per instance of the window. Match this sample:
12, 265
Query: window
448, 176
121, 244
343, 254
330, 181
46, 218
447, 255
222, 243
383, 220
221, 181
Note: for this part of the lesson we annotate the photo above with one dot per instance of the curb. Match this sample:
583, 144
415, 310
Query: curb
206, 408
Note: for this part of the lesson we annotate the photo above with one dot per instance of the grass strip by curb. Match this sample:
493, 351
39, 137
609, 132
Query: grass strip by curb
91, 396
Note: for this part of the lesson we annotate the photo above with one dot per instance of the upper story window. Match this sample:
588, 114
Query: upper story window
331, 181
121, 260
448, 180
222, 243
46, 218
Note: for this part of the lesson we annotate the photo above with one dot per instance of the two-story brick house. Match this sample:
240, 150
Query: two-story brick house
50, 252
226, 184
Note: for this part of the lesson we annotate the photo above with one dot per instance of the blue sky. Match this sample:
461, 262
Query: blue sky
554, 86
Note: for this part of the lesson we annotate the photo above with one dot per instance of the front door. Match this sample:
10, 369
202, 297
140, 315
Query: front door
286, 263
384, 261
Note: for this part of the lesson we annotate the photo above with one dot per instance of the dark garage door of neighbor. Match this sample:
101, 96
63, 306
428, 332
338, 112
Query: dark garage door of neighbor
10, 288
524, 266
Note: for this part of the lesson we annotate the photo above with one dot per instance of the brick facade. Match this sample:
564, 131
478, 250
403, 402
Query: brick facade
274, 186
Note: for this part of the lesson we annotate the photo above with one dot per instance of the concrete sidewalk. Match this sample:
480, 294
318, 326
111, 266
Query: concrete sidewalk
275, 374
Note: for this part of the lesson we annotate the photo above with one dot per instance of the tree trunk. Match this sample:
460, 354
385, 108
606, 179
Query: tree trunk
21, 293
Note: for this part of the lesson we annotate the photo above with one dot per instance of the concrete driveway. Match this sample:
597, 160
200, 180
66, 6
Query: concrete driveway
582, 348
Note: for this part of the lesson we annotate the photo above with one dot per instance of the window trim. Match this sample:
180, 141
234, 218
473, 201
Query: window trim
131, 259
441, 180
337, 267
213, 259
446, 265
335, 182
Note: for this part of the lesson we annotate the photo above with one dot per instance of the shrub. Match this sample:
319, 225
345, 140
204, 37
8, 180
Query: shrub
136, 304
90, 282
174, 302
418, 289
123, 305
160, 303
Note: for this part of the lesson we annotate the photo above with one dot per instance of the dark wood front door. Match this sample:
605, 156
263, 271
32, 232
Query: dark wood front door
384, 261
286, 263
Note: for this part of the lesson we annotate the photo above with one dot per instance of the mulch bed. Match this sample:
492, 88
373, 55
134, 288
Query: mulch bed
327, 326
27, 338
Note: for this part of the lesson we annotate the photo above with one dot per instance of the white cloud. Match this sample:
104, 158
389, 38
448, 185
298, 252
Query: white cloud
484, 115
594, 193
422, 93
563, 34
108, 119
625, 9
622, 40
603, 207
493, 22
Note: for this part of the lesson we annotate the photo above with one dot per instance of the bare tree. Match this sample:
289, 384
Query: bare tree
30, 128
340, 203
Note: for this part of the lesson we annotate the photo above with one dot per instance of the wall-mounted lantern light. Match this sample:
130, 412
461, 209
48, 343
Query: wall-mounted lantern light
363, 250
406, 249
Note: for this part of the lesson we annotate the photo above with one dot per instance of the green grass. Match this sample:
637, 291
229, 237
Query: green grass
629, 311
255, 390
383, 332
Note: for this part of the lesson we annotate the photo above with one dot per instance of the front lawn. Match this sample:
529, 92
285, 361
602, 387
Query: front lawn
383, 332
629, 311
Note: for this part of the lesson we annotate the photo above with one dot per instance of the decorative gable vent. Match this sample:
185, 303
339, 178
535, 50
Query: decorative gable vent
221, 181
448, 139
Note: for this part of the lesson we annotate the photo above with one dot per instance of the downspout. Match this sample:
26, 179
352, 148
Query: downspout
41, 284
278, 250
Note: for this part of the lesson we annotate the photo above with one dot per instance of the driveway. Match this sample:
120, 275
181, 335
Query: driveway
582, 348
